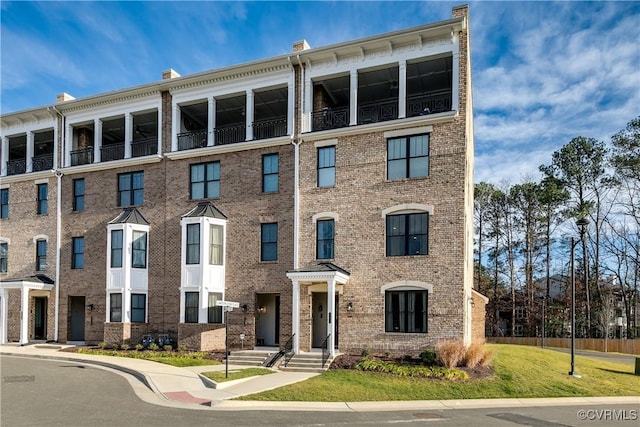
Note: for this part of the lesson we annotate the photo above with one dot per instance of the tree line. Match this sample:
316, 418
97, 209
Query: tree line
587, 203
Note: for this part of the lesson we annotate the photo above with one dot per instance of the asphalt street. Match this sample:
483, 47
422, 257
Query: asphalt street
40, 392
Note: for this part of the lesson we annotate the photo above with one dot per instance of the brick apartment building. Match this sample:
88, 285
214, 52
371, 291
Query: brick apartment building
328, 191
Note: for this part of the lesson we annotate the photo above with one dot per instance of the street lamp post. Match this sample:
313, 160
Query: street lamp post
581, 223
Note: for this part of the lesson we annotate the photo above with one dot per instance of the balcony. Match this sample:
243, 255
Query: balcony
42, 162
377, 112
270, 128
144, 147
230, 134
429, 104
16, 167
83, 156
191, 140
112, 152
330, 118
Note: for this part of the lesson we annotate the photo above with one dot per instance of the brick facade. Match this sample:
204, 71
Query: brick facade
358, 200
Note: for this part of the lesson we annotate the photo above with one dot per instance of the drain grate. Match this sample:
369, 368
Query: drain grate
19, 379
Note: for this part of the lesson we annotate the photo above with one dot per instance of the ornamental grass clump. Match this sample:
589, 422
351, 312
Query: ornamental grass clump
474, 355
450, 353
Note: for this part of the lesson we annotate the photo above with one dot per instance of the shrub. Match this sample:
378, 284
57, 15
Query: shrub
366, 352
167, 347
115, 346
153, 346
182, 347
487, 355
428, 356
450, 353
139, 347
401, 370
102, 345
474, 355
124, 347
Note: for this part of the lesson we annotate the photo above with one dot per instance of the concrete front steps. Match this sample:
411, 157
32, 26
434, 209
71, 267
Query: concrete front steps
306, 362
250, 357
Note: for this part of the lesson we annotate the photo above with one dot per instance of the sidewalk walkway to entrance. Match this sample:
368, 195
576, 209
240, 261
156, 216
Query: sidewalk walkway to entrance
167, 385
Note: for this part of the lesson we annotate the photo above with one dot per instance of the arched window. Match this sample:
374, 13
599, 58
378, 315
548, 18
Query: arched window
406, 306
407, 229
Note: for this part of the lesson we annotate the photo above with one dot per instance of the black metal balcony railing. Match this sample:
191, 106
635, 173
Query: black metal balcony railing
144, 147
42, 162
112, 152
83, 156
264, 129
16, 167
378, 112
191, 140
429, 104
230, 134
330, 118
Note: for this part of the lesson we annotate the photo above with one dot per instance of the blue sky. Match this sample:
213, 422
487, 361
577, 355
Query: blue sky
543, 72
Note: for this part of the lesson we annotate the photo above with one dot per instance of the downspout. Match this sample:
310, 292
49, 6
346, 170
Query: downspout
58, 174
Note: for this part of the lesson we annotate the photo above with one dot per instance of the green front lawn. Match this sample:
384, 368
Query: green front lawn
173, 358
519, 371
220, 376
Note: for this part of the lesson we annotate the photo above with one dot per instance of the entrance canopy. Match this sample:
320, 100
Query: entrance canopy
324, 272
39, 282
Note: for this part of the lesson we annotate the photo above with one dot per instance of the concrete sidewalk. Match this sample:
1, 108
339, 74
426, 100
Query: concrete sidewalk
167, 385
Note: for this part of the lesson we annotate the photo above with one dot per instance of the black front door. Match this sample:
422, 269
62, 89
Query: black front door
40, 318
76, 318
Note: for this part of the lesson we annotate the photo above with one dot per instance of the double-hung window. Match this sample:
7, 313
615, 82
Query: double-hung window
139, 250
324, 238
4, 257
193, 243
205, 180
216, 245
77, 259
78, 194
270, 173
4, 203
41, 255
407, 234
131, 189
408, 157
138, 308
42, 201
269, 242
191, 307
116, 248
327, 166
214, 314
406, 311
115, 308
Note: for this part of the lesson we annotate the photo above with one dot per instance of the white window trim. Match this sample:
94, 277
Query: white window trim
324, 215
408, 132
406, 285
5, 240
408, 208
326, 143
40, 237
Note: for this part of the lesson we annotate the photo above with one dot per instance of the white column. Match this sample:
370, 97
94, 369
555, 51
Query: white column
128, 120
308, 106
4, 156
175, 126
402, 90
291, 101
68, 146
160, 134
331, 318
97, 140
211, 123
29, 154
24, 315
249, 115
56, 147
295, 320
126, 304
353, 98
3, 316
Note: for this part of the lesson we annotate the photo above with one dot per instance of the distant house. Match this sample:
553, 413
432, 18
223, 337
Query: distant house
328, 192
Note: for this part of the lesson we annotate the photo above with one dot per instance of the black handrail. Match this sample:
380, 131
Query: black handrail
144, 147
325, 350
330, 118
42, 162
191, 140
82, 156
288, 350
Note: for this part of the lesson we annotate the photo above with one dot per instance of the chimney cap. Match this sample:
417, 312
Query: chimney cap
170, 74
64, 96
